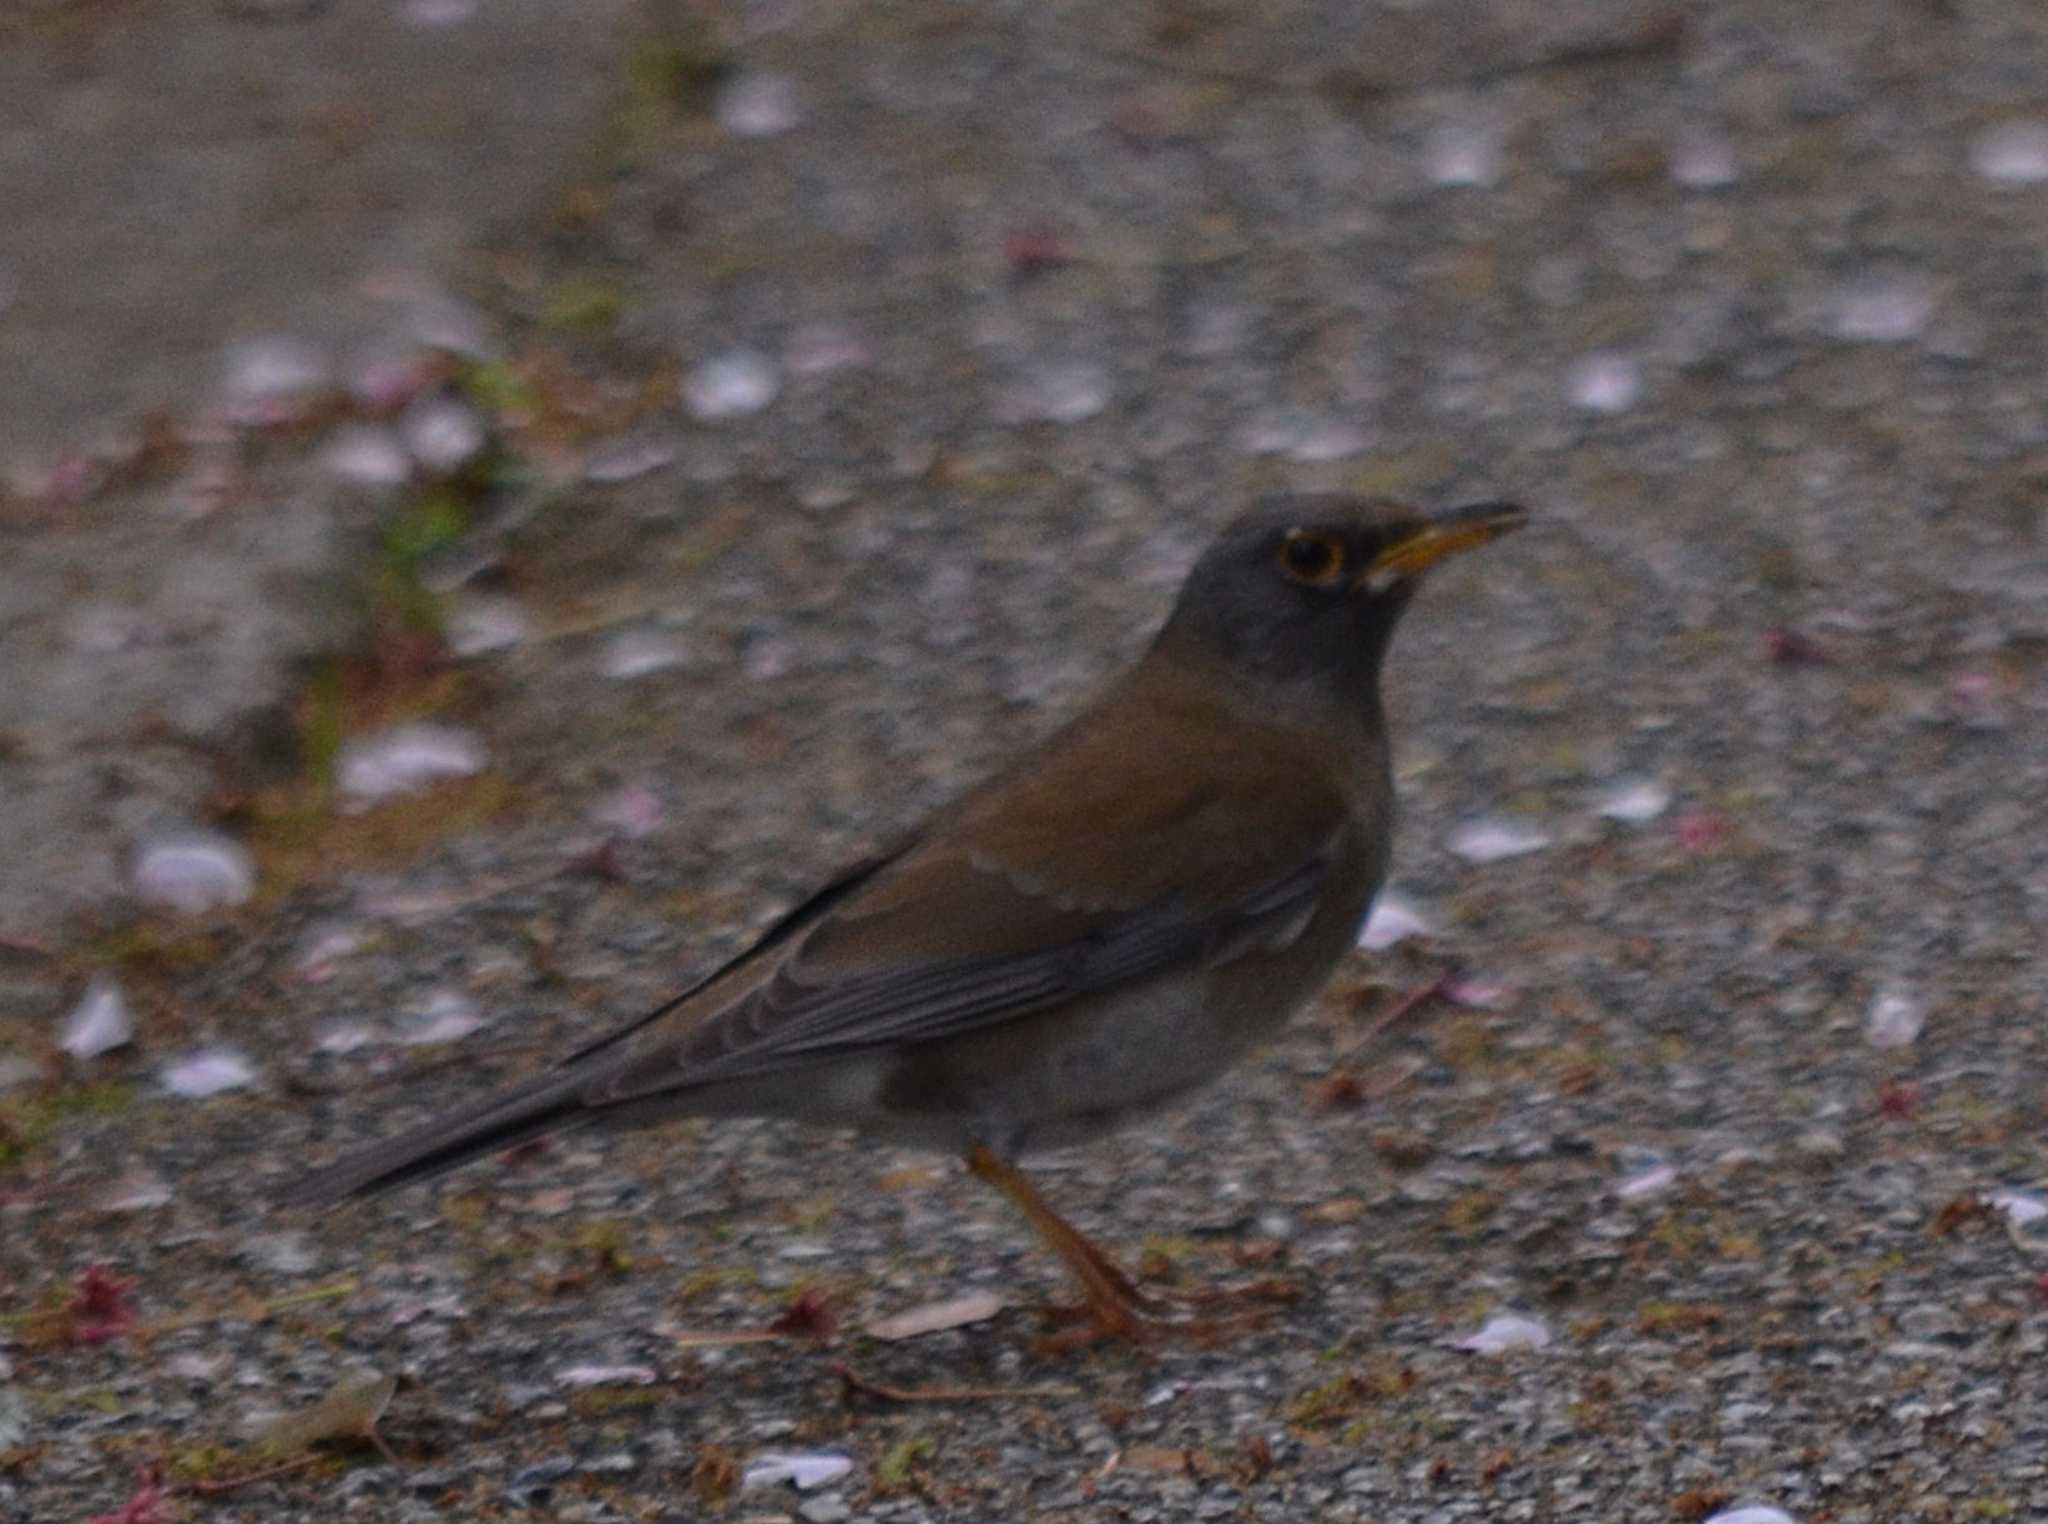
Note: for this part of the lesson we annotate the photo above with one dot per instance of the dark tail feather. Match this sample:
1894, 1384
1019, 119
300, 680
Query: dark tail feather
548, 1103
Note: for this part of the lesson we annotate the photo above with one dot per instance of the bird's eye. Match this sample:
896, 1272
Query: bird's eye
1311, 558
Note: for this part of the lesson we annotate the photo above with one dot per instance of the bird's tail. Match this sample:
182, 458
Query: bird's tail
550, 1102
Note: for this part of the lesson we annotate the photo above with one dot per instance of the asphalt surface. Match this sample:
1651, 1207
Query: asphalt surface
825, 399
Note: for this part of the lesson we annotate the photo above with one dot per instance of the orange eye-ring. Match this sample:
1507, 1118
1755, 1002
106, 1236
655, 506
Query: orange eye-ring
1312, 558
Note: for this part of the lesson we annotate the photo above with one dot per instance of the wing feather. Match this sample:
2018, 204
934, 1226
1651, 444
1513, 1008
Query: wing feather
1117, 852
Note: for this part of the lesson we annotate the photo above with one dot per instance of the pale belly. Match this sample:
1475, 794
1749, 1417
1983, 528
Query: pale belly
1053, 1078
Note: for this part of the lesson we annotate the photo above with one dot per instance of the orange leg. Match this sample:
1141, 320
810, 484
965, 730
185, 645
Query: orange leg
1121, 1310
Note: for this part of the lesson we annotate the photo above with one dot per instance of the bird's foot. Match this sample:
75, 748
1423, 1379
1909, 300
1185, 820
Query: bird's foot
1191, 1315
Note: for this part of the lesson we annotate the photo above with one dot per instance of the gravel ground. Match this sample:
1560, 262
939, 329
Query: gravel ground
845, 397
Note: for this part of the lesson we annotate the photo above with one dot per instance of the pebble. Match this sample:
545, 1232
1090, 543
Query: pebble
535, 1483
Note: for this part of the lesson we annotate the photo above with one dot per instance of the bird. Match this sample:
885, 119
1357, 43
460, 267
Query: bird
1089, 936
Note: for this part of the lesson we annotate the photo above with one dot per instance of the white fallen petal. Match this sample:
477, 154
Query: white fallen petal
99, 1023
1491, 838
1634, 800
634, 811
442, 1016
367, 456
193, 871
818, 349
1651, 1182
485, 624
138, 1191
268, 371
1464, 153
323, 948
406, 758
1895, 1019
1644, 1172
2021, 1209
1393, 919
1058, 391
936, 1317
1504, 1332
607, 1375
445, 322
1703, 160
803, 1472
1885, 310
2013, 153
442, 434
635, 653
621, 460
344, 1037
207, 1072
731, 385
758, 105
1328, 439
1604, 383
437, 12
1751, 1513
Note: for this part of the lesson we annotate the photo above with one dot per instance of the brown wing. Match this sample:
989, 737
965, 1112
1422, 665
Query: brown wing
1118, 850
1107, 857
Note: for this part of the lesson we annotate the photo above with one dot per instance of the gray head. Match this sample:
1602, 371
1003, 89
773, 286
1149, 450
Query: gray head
1306, 590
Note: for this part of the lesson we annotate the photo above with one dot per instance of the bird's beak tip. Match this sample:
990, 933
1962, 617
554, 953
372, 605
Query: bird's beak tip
1448, 534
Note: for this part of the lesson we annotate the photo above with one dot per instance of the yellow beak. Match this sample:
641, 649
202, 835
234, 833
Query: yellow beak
1461, 529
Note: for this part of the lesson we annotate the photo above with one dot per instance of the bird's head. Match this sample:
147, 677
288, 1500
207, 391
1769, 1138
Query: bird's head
1305, 591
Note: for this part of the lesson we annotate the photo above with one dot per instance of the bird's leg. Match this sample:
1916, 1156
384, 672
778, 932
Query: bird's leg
1121, 1310
1119, 1306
